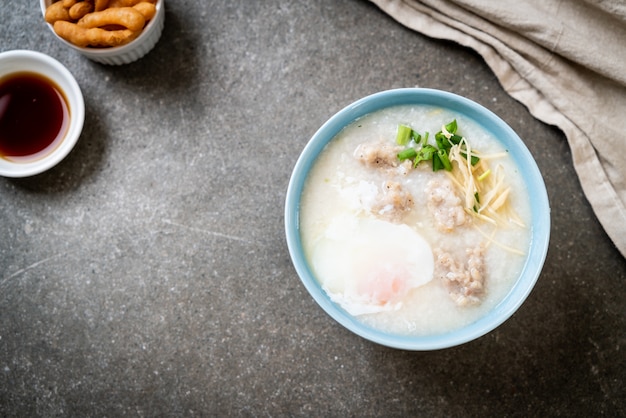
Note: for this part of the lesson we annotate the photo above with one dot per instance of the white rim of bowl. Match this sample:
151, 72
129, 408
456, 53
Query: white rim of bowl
76, 107
540, 212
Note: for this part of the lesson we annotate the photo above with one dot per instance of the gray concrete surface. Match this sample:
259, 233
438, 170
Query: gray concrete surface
148, 274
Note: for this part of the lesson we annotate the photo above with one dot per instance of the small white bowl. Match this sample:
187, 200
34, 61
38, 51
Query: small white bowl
124, 54
35, 62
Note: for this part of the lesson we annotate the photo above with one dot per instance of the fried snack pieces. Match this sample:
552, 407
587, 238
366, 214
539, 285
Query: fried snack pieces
100, 23
126, 17
78, 10
94, 37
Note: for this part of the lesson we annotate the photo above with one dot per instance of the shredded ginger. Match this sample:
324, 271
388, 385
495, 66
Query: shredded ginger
484, 191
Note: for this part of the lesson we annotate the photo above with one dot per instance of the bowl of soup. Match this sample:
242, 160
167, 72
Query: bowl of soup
417, 219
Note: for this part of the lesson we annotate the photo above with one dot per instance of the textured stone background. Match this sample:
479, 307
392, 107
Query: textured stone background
148, 273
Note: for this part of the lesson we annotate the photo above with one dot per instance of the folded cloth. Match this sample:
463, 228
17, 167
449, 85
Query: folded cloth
564, 60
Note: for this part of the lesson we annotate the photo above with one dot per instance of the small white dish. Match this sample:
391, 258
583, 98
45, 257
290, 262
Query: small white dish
124, 54
23, 61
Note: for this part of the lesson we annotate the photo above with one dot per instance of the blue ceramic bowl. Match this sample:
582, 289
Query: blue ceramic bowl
540, 212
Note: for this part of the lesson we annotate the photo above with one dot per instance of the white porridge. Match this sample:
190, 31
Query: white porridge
406, 249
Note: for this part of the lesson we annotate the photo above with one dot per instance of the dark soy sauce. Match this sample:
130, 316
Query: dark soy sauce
34, 116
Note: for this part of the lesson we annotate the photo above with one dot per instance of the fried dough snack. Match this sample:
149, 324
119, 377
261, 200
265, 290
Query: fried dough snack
127, 17
78, 10
148, 10
127, 3
100, 23
101, 5
57, 11
94, 37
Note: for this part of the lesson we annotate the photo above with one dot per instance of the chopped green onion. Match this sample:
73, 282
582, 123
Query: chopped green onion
455, 139
437, 164
445, 161
438, 154
474, 159
451, 127
442, 141
428, 150
403, 135
407, 153
424, 154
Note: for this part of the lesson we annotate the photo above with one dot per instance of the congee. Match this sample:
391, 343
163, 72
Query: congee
415, 220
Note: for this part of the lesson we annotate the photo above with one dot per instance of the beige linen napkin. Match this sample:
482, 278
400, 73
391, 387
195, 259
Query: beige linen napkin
563, 59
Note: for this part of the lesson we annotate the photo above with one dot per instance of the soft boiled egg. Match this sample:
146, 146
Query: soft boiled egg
370, 265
